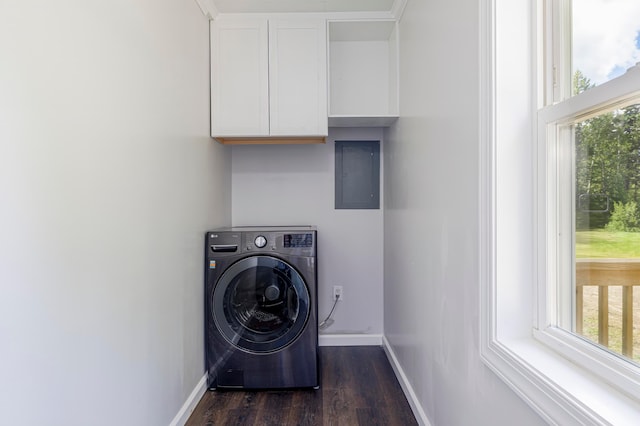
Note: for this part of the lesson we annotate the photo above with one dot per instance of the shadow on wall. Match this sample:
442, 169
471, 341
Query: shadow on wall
282, 158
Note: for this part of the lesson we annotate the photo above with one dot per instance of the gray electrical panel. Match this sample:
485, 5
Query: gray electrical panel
357, 176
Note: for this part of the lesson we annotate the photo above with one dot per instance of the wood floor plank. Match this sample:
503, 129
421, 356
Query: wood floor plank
358, 387
213, 407
240, 417
394, 396
335, 367
371, 417
337, 408
250, 399
306, 408
274, 407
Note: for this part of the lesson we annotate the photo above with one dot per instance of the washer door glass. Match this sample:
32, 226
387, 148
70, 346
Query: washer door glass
260, 304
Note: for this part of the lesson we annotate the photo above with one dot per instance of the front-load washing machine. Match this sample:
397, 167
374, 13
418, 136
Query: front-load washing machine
261, 321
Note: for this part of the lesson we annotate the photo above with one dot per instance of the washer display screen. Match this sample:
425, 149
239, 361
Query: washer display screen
298, 240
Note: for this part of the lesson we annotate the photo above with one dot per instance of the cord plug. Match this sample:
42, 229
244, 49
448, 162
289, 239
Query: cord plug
337, 292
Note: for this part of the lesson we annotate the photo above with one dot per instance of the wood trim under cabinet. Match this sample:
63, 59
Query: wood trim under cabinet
272, 140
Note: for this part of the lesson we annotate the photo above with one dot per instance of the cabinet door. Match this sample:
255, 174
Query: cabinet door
239, 77
298, 77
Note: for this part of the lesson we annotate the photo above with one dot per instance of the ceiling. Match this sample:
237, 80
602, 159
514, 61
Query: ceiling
278, 6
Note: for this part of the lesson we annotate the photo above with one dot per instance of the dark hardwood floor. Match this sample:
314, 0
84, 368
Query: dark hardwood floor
358, 387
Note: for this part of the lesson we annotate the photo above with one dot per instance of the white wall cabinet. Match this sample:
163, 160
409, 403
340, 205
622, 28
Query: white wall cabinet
239, 78
363, 73
268, 78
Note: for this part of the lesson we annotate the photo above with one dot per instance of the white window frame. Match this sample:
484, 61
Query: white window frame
550, 368
555, 239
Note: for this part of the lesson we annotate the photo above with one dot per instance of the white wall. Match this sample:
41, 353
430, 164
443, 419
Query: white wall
108, 181
431, 294
294, 185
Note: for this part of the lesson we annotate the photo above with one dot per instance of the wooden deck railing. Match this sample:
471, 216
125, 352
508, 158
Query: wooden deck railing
605, 273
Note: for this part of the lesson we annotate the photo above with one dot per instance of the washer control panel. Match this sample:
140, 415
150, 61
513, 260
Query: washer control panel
231, 242
299, 243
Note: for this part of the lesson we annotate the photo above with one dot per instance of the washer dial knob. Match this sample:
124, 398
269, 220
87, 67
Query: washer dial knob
260, 241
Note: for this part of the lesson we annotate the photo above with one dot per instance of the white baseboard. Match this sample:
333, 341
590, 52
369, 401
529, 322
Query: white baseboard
190, 404
350, 339
414, 402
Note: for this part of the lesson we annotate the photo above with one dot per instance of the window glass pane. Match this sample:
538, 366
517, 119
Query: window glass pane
605, 40
607, 230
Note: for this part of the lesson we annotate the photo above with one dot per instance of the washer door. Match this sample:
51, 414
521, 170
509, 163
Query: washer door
260, 304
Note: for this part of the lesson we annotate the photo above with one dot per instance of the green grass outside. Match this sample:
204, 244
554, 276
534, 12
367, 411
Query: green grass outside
607, 244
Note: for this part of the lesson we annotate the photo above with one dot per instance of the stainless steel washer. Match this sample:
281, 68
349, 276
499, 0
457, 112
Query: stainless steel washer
261, 308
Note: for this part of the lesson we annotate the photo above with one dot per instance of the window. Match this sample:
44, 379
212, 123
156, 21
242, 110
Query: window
539, 192
589, 185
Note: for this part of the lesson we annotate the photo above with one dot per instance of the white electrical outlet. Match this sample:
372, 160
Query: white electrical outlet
337, 292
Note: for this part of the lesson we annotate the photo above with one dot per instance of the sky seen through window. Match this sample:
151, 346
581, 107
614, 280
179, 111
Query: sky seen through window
606, 38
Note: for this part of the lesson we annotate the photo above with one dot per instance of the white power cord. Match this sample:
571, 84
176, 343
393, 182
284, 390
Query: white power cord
328, 321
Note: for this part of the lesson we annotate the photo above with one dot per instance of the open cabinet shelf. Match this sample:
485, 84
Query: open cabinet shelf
363, 73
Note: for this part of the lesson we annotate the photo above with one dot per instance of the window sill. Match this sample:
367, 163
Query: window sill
560, 391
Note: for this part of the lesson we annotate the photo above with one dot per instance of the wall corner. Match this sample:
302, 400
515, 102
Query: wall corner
208, 9
398, 9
